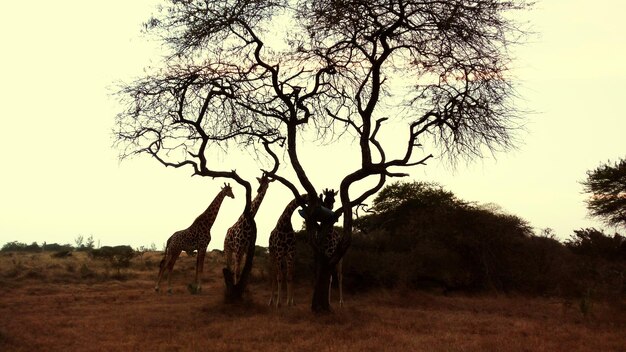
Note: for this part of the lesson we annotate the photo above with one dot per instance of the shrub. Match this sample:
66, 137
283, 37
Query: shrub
16, 246
86, 272
55, 247
61, 254
119, 256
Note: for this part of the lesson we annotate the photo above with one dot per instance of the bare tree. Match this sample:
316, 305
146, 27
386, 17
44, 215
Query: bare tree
341, 69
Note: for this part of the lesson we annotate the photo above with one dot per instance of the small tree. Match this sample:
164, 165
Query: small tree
89, 243
79, 241
399, 193
607, 186
340, 69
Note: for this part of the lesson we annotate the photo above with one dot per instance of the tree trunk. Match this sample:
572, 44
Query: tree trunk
323, 272
235, 292
325, 266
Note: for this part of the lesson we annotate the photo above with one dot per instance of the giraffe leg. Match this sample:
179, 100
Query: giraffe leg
279, 280
199, 268
290, 268
340, 281
229, 258
238, 261
273, 280
164, 264
330, 287
170, 266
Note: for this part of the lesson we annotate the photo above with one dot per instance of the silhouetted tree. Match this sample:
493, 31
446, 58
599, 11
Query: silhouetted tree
607, 186
232, 77
398, 193
595, 243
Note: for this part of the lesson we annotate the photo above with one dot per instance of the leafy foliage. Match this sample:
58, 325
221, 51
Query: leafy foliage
595, 243
419, 193
607, 186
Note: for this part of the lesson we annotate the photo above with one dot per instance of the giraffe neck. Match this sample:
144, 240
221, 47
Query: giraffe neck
256, 202
285, 217
209, 215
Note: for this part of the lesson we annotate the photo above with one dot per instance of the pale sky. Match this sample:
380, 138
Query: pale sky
60, 176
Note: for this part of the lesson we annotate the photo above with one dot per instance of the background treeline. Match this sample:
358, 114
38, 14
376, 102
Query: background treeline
418, 235
118, 255
16, 246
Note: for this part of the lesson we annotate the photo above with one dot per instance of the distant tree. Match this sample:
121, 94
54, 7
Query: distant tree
398, 193
140, 251
595, 243
340, 70
79, 241
33, 247
118, 256
89, 244
607, 188
55, 247
16, 246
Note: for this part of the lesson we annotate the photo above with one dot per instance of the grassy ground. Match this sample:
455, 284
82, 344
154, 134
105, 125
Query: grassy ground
80, 304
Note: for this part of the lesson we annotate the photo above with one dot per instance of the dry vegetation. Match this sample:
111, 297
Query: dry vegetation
81, 304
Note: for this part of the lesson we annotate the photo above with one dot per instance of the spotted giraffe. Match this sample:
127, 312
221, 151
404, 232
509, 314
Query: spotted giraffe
283, 250
332, 241
195, 237
239, 235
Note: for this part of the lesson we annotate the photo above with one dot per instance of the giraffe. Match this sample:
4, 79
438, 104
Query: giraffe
239, 235
332, 241
283, 249
195, 237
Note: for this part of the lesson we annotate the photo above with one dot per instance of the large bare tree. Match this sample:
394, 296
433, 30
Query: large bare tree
272, 75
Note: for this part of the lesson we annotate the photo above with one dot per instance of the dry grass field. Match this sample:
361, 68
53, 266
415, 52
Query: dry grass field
81, 304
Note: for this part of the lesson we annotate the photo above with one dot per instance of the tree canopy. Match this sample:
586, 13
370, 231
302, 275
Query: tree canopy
425, 193
606, 185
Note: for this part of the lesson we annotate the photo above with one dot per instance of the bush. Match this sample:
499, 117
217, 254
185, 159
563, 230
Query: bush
55, 247
16, 246
600, 261
591, 242
61, 254
118, 256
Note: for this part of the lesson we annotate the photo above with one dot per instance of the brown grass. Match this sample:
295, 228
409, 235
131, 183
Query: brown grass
79, 304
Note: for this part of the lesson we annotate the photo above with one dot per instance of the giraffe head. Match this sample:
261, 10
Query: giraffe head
264, 182
228, 191
328, 198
